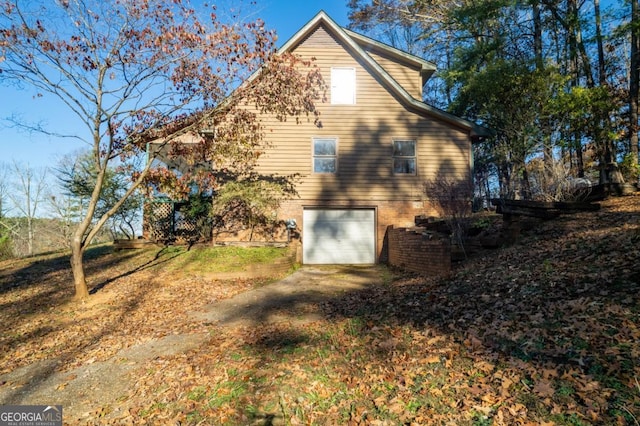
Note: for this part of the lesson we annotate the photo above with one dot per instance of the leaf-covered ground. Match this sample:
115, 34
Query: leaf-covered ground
138, 296
546, 331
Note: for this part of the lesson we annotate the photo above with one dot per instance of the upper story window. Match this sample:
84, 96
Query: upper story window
325, 155
343, 86
404, 157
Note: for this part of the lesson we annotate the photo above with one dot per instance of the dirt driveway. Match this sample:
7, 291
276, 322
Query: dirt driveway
295, 298
84, 390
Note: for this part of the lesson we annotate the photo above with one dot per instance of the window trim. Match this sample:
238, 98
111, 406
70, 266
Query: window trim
353, 84
414, 157
314, 156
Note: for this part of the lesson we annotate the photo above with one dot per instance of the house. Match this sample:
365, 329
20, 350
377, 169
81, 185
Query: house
363, 167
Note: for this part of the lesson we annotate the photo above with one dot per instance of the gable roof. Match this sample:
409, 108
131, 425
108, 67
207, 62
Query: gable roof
354, 43
427, 68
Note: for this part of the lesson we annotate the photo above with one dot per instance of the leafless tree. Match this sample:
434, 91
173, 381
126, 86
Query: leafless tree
5, 229
634, 81
29, 191
452, 199
66, 211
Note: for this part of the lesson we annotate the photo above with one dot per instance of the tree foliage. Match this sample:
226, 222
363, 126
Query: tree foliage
513, 100
553, 79
76, 174
132, 71
250, 203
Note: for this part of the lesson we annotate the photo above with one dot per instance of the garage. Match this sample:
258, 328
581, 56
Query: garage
339, 236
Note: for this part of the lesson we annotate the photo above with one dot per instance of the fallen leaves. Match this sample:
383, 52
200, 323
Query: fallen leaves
543, 388
131, 309
545, 332
433, 359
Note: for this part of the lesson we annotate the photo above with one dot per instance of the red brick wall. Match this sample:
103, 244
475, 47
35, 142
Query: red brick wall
411, 250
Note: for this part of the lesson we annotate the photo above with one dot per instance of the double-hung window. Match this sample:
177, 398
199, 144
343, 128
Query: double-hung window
325, 155
343, 86
404, 157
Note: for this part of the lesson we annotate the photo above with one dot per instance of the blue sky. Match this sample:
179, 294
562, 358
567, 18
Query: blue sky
39, 150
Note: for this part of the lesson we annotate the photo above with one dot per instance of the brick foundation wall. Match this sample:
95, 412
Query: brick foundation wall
388, 213
397, 213
410, 250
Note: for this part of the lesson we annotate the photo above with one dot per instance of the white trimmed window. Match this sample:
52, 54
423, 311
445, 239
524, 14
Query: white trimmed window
325, 155
343, 86
404, 157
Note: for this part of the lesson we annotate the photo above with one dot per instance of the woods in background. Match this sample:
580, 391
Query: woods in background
40, 208
556, 81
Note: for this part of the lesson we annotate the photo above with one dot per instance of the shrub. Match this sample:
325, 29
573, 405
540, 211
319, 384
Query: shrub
452, 199
6, 247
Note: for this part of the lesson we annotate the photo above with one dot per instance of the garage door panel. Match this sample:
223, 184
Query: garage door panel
339, 236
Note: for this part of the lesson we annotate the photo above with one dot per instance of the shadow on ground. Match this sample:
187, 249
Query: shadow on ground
561, 307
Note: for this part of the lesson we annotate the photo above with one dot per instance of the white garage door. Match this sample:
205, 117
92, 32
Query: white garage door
334, 236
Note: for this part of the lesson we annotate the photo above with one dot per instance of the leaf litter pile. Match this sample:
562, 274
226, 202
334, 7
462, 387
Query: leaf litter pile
546, 331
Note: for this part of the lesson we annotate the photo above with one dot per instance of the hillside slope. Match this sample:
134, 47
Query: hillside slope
553, 320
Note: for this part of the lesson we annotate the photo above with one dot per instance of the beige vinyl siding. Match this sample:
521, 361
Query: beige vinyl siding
319, 39
408, 78
365, 131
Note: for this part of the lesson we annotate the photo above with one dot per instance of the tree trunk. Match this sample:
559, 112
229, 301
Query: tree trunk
609, 171
602, 75
449, 59
504, 181
537, 35
634, 77
77, 267
571, 27
80, 240
578, 49
547, 146
30, 236
526, 185
579, 157
604, 129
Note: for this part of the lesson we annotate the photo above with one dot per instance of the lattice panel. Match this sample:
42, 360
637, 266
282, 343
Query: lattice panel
185, 228
166, 221
159, 221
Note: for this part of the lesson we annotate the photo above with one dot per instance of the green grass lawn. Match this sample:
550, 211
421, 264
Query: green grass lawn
222, 259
